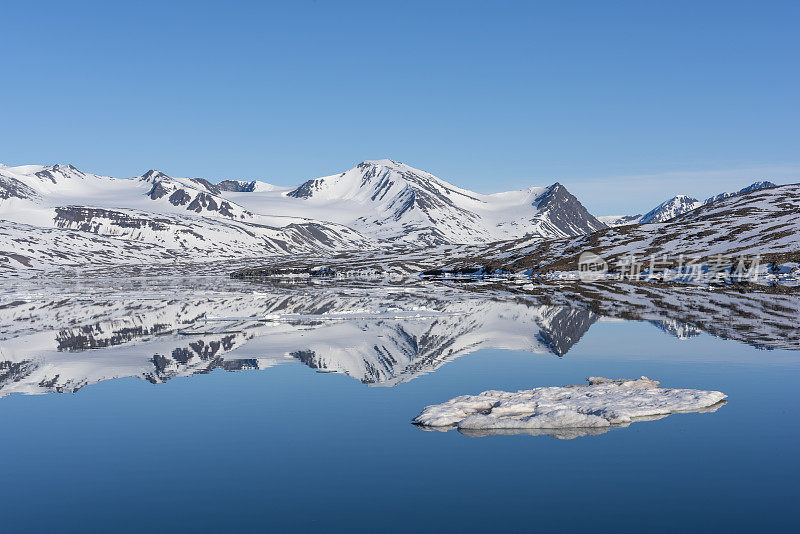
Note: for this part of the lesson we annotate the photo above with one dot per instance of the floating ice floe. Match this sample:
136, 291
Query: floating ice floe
566, 412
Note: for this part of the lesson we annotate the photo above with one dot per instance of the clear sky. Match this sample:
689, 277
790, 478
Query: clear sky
626, 103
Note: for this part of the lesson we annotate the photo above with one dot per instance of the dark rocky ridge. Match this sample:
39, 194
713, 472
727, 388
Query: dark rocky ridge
566, 212
235, 186
13, 188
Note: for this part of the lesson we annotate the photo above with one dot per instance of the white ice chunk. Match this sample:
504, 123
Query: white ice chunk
603, 403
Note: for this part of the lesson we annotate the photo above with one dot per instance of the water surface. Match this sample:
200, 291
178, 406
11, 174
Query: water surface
138, 424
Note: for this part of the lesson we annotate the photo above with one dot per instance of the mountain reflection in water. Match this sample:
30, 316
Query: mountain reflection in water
380, 335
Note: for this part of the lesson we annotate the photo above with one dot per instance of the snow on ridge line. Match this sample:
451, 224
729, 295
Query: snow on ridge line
383, 200
603, 403
678, 205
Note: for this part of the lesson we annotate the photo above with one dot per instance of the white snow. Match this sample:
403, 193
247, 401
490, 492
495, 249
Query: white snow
371, 198
375, 204
676, 206
671, 208
602, 403
619, 220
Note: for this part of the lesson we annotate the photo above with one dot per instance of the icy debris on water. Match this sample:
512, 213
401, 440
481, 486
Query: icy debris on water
566, 412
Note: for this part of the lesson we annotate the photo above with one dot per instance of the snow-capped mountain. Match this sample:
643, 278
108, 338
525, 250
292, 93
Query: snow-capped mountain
394, 202
678, 205
59, 215
752, 187
619, 220
375, 204
670, 209
194, 194
759, 222
663, 212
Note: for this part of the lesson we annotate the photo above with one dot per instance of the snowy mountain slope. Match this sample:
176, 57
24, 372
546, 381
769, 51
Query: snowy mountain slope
32, 191
25, 247
670, 209
96, 236
380, 213
752, 187
199, 196
676, 206
153, 191
397, 203
762, 221
619, 220
378, 203
197, 235
183, 218
193, 194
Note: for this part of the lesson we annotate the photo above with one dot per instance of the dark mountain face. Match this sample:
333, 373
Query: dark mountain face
52, 175
152, 175
205, 202
566, 328
86, 219
195, 199
235, 186
208, 185
566, 212
13, 188
306, 190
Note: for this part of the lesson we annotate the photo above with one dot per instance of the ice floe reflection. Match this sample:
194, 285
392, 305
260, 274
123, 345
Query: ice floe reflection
565, 433
557, 433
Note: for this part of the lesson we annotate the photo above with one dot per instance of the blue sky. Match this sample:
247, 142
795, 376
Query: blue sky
626, 103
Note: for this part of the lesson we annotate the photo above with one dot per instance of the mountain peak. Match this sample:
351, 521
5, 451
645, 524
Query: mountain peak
58, 172
370, 179
565, 212
153, 174
752, 187
396, 166
397, 201
385, 162
678, 205
668, 209
62, 167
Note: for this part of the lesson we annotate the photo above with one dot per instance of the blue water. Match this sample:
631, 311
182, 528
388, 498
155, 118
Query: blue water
289, 449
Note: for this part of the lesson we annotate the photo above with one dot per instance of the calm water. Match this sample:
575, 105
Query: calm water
288, 448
